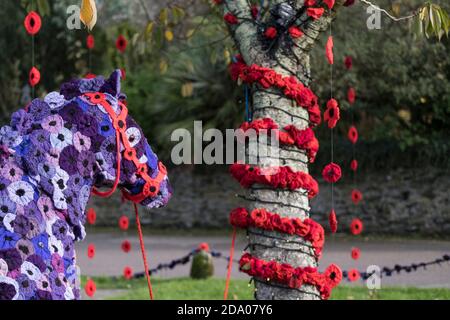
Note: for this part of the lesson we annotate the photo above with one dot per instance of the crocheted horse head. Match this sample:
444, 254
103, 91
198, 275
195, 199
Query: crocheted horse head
51, 157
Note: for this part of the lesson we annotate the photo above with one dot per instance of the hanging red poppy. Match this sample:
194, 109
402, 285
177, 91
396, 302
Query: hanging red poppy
90, 288
333, 221
315, 13
332, 113
354, 165
356, 226
126, 246
230, 18
351, 95
121, 43
90, 41
352, 134
353, 275
128, 273
356, 253
270, 33
348, 62
329, 50
295, 32
91, 216
329, 3
356, 196
254, 10
91, 251
332, 172
34, 76
123, 73
204, 246
32, 23
124, 222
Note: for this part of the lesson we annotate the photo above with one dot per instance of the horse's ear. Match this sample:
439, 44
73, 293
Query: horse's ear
112, 85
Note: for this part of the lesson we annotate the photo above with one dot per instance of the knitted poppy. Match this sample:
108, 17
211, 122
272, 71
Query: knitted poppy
91, 216
204, 246
353, 275
352, 134
128, 273
310, 3
295, 32
91, 251
124, 223
90, 288
230, 18
121, 43
329, 50
270, 33
351, 95
356, 226
34, 76
332, 113
333, 221
332, 172
356, 253
356, 196
333, 275
259, 217
329, 3
254, 10
126, 246
315, 13
354, 165
89, 76
32, 23
348, 62
90, 41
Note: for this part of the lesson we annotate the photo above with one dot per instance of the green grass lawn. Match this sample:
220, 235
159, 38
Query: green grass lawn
186, 288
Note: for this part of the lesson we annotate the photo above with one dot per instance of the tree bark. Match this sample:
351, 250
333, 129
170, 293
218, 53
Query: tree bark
286, 60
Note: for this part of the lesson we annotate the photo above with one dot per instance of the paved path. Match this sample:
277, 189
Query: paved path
110, 260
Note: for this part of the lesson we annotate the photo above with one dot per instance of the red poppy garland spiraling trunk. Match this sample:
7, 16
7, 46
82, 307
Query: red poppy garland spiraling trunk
285, 51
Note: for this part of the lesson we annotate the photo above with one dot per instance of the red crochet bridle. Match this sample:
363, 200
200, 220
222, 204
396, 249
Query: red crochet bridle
151, 186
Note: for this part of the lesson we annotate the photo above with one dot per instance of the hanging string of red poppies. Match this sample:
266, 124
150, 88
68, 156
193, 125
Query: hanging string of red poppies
90, 44
121, 46
356, 225
90, 286
33, 24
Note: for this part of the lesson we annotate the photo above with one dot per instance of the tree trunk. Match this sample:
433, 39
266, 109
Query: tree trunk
268, 103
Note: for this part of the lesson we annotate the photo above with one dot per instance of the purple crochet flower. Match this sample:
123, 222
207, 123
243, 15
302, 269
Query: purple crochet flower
21, 225
54, 100
69, 159
12, 258
8, 239
86, 165
22, 121
39, 110
36, 260
87, 125
7, 290
59, 229
27, 286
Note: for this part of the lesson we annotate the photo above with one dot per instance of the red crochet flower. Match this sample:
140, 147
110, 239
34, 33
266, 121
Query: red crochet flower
126, 246
333, 221
90, 41
32, 23
230, 18
204, 246
329, 50
124, 223
239, 218
356, 196
91, 251
332, 172
295, 32
351, 95
352, 134
315, 13
34, 76
332, 114
354, 165
356, 253
121, 43
329, 3
356, 226
333, 275
90, 76
91, 216
353, 275
348, 62
310, 3
90, 288
127, 273
254, 10
259, 217
270, 33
